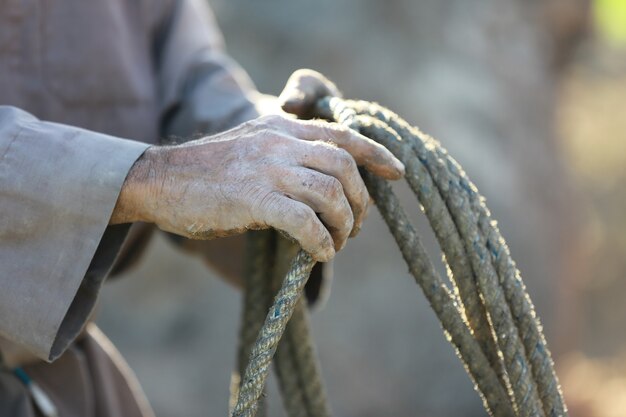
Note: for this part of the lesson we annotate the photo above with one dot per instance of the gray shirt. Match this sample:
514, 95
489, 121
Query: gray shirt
85, 86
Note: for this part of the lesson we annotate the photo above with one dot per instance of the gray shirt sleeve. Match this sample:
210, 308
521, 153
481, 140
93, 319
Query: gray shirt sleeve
58, 187
203, 90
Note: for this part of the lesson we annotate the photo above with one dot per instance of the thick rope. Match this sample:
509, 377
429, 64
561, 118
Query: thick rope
258, 268
525, 395
285, 365
295, 363
470, 213
488, 318
476, 363
522, 309
264, 348
268, 259
299, 374
456, 257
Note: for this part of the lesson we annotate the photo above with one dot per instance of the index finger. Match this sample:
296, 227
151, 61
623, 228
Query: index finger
366, 152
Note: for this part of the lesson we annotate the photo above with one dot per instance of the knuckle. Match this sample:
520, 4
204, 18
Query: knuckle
365, 198
266, 202
308, 225
318, 128
252, 122
331, 188
250, 126
338, 130
271, 119
338, 127
265, 140
348, 220
315, 228
264, 133
346, 161
301, 216
272, 137
319, 237
269, 123
347, 209
328, 133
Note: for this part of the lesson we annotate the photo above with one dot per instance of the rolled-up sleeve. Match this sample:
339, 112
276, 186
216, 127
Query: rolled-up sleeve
58, 188
203, 90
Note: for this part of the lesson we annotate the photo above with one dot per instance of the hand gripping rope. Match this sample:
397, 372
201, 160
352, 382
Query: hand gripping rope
487, 315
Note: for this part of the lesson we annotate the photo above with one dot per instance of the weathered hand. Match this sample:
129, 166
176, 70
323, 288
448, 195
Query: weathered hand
269, 172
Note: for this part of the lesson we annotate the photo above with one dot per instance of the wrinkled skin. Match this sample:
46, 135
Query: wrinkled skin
299, 177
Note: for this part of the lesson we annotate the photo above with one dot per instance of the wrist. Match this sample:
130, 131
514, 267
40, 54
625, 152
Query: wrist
134, 203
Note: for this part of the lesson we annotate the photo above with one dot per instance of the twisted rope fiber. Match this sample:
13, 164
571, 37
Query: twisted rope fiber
489, 298
457, 188
268, 259
485, 378
492, 246
258, 266
300, 372
274, 326
522, 384
286, 367
295, 363
525, 397
284, 363
456, 258
443, 302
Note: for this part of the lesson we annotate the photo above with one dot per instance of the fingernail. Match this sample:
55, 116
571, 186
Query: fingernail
355, 231
328, 254
283, 100
399, 167
290, 105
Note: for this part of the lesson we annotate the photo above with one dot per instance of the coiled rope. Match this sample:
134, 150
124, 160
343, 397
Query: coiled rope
487, 315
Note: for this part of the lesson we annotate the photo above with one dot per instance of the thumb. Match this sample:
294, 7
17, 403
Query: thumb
303, 89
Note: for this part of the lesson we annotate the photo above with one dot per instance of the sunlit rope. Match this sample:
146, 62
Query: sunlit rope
487, 315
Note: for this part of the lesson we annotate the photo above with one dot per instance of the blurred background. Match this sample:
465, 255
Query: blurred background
530, 97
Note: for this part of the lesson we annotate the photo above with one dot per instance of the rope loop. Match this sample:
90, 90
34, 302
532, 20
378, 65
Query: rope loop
486, 315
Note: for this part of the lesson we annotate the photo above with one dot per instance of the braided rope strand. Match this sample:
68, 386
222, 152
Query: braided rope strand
286, 370
430, 197
521, 306
309, 374
270, 334
524, 388
285, 364
488, 317
476, 363
470, 352
298, 368
295, 361
260, 247
526, 398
